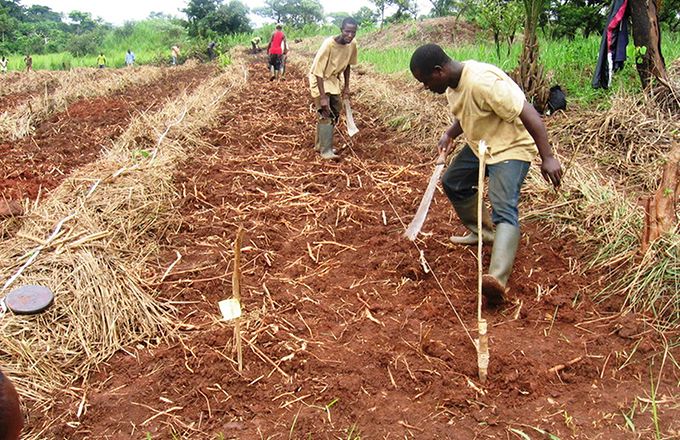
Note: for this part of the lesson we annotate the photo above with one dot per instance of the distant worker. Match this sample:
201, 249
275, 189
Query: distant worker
334, 57
29, 63
101, 60
11, 420
284, 57
211, 50
129, 58
175, 54
3, 64
275, 51
255, 42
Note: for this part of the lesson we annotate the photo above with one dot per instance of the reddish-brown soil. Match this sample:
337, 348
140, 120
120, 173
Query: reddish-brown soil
76, 136
345, 335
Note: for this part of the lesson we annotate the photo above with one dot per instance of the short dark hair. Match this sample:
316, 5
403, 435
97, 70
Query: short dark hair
350, 21
426, 57
279, 27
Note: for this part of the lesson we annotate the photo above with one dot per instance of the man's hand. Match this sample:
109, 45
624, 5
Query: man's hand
444, 145
552, 170
325, 106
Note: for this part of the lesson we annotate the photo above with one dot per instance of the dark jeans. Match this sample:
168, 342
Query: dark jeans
505, 181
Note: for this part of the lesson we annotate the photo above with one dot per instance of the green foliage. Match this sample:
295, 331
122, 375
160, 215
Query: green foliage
569, 17
669, 14
569, 63
503, 18
209, 18
365, 16
292, 12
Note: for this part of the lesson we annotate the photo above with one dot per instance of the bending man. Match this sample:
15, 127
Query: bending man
487, 105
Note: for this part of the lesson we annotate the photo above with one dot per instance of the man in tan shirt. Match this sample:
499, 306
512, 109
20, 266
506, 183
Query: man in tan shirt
334, 57
487, 105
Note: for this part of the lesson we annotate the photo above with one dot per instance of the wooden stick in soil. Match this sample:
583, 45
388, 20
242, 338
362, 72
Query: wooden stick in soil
483, 341
236, 291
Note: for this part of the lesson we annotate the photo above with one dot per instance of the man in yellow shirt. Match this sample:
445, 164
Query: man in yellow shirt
487, 105
101, 60
334, 57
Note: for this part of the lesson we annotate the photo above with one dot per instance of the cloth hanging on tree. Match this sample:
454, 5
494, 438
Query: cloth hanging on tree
612, 54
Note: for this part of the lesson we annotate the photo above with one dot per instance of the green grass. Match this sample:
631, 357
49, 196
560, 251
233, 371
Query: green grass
570, 63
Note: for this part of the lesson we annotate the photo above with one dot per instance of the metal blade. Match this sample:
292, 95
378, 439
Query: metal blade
419, 219
351, 126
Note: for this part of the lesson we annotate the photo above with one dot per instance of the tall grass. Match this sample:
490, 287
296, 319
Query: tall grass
569, 63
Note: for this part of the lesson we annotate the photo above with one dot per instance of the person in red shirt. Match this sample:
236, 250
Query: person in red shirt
276, 48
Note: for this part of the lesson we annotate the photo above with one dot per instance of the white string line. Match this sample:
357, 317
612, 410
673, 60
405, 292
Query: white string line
434, 275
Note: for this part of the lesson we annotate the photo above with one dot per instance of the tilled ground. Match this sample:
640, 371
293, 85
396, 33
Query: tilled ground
77, 135
345, 333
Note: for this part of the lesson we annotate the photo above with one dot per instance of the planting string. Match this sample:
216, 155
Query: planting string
434, 275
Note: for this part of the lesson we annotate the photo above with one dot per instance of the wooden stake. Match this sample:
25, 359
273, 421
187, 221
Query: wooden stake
483, 350
236, 292
483, 341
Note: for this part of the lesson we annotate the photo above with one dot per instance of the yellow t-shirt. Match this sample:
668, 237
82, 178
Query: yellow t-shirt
330, 61
487, 103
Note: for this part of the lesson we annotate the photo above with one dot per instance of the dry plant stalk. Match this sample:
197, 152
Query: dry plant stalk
94, 266
483, 341
236, 291
661, 210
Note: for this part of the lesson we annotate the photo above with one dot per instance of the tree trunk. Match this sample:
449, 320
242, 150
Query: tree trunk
661, 209
646, 33
530, 73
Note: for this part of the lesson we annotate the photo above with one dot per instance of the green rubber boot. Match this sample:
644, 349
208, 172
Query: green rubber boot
467, 212
502, 259
324, 132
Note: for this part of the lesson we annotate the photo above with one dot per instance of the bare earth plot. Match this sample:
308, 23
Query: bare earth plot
76, 136
345, 335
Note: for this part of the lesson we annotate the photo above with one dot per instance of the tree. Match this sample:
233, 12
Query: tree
647, 38
569, 17
337, 17
197, 10
441, 8
503, 18
670, 14
365, 16
292, 12
82, 22
406, 9
231, 18
530, 75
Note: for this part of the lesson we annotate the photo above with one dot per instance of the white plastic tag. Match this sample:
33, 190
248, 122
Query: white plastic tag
230, 308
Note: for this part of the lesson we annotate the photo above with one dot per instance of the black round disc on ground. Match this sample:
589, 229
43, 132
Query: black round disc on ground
29, 300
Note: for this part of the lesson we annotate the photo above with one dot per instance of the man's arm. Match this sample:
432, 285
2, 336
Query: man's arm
550, 166
445, 144
323, 98
345, 74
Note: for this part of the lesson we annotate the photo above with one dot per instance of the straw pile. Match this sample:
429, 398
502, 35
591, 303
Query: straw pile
94, 235
74, 85
21, 82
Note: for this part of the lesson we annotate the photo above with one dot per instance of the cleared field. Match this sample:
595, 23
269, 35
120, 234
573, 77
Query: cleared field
349, 330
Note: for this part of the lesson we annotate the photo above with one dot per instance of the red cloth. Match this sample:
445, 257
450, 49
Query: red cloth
275, 47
